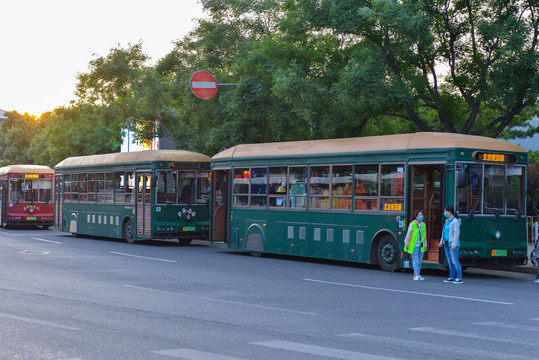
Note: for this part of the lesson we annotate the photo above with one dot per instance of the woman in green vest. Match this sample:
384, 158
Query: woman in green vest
414, 243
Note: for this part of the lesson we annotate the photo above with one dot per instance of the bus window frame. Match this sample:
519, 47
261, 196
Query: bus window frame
367, 197
402, 198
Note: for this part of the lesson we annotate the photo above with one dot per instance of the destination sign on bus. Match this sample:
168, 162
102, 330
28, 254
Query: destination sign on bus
496, 158
30, 176
392, 207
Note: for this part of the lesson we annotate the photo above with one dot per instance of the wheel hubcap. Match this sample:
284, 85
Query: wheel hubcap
388, 253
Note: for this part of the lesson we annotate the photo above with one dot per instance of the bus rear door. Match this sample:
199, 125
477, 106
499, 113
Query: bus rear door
220, 206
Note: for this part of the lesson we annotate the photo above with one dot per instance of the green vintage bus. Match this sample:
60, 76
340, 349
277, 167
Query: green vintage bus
142, 195
351, 199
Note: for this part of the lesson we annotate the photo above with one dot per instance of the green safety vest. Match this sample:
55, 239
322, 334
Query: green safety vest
413, 239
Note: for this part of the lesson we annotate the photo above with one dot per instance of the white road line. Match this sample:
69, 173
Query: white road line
431, 330
45, 240
143, 257
190, 354
34, 321
411, 292
223, 301
321, 351
433, 350
508, 326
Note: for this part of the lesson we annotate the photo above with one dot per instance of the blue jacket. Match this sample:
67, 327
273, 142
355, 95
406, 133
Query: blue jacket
454, 232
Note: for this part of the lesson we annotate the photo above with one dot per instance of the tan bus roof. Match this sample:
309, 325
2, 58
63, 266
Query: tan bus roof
421, 140
132, 157
34, 169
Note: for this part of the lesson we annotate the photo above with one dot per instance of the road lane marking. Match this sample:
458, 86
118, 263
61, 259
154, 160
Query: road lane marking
434, 351
142, 257
223, 301
508, 326
410, 292
45, 240
321, 351
190, 354
34, 321
431, 330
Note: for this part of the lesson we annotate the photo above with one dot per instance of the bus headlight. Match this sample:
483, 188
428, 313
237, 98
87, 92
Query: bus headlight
495, 234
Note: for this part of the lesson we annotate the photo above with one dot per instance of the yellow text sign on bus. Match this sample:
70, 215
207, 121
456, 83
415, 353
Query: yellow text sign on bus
392, 207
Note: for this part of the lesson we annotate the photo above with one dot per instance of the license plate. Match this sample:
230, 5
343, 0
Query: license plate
31, 218
499, 252
189, 228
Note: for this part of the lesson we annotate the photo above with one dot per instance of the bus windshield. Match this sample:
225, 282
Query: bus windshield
490, 188
30, 190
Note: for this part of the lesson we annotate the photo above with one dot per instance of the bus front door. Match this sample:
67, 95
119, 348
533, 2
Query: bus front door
426, 186
144, 205
58, 201
220, 210
3, 202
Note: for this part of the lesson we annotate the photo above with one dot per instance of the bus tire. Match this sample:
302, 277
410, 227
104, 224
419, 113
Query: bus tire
128, 232
387, 253
185, 242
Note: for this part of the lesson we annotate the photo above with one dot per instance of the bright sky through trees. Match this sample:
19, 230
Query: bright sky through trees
44, 44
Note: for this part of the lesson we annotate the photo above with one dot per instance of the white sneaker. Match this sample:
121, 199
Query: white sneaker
416, 277
536, 281
420, 278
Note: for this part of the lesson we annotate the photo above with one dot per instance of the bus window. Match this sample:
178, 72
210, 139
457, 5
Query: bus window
515, 189
240, 186
277, 186
100, 188
166, 187
469, 196
203, 186
186, 187
75, 187
366, 187
119, 187
319, 187
45, 190
392, 188
298, 187
259, 180
109, 188
67, 187
15, 190
494, 188
129, 187
91, 187
83, 187
341, 187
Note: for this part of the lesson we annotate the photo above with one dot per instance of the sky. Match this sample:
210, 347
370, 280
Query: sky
44, 44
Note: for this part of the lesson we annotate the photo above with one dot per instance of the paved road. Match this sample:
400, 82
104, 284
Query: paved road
65, 298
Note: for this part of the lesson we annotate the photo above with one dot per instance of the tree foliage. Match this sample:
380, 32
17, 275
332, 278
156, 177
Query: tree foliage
306, 69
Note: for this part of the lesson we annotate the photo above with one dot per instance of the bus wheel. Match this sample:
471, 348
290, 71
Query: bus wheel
388, 253
128, 231
185, 242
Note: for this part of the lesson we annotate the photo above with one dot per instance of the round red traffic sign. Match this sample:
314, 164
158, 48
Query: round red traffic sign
203, 85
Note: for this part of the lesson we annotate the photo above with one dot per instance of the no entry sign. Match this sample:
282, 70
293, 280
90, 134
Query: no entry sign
203, 85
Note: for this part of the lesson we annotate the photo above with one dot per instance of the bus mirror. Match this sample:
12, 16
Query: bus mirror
461, 179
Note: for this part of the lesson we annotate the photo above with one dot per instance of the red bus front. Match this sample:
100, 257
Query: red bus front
27, 199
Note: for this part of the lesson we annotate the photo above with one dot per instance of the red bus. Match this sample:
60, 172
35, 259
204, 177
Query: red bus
26, 195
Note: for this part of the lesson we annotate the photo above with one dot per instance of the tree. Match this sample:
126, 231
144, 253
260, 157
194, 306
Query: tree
468, 66
16, 133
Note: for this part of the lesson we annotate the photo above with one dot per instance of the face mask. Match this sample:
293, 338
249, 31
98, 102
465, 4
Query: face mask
445, 214
420, 218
